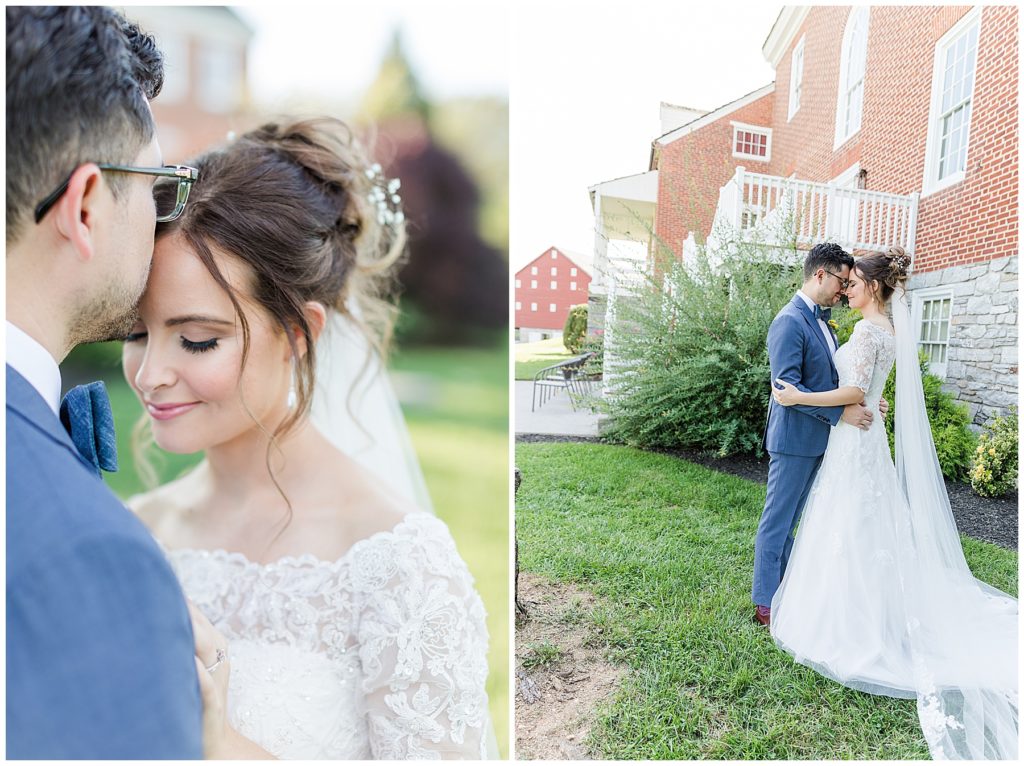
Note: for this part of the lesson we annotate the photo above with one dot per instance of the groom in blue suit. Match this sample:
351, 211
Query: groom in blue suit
100, 654
801, 345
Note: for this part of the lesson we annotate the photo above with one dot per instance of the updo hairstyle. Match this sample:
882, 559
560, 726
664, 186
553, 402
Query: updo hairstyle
889, 269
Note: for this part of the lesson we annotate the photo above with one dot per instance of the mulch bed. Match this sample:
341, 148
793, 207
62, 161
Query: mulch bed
991, 519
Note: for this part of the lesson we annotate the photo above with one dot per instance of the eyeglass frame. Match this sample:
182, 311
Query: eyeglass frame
185, 174
843, 283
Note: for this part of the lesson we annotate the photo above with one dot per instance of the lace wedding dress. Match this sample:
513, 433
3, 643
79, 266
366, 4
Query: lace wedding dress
378, 655
877, 595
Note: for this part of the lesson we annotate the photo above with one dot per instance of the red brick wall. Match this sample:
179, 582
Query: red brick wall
975, 220
563, 298
692, 169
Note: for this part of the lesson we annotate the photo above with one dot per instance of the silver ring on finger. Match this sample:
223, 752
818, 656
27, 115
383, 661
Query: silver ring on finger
221, 656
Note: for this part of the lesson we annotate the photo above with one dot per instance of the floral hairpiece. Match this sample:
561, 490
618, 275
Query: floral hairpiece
384, 196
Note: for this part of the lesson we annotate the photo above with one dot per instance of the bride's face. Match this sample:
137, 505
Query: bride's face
183, 358
859, 293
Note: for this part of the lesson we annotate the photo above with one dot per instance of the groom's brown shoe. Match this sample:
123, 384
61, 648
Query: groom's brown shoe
763, 615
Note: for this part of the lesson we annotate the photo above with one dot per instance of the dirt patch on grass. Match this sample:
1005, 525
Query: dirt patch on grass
562, 674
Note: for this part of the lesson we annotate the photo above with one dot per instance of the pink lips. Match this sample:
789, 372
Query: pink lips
168, 411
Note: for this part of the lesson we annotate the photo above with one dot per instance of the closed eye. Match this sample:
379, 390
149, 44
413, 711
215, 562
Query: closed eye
198, 347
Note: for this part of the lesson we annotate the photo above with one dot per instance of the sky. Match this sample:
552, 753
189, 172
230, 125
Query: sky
586, 83
340, 51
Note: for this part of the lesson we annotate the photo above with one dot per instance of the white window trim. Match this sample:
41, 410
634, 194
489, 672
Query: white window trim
918, 298
554, 271
519, 283
533, 270
572, 286
796, 77
844, 58
533, 307
747, 128
554, 284
552, 307
931, 183
572, 272
519, 305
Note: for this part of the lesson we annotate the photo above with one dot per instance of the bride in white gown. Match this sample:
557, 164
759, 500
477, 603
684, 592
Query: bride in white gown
877, 594
333, 615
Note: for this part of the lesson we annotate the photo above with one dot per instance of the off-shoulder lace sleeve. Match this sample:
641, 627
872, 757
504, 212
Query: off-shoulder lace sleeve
422, 645
864, 346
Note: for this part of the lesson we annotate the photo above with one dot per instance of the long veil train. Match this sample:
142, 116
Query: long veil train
962, 632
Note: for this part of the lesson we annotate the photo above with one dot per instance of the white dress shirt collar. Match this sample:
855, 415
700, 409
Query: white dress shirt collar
34, 363
808, 301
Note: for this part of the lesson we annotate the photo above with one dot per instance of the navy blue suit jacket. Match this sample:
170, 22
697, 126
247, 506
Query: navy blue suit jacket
799, 354
100, 656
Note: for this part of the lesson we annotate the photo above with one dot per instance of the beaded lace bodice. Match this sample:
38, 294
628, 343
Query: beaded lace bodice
380, 654
865, 360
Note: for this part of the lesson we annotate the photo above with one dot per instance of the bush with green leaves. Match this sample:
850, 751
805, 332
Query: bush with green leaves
949, 420
994, 465
575, 328
691, 362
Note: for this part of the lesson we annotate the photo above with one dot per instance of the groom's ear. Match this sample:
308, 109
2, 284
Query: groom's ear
74, 214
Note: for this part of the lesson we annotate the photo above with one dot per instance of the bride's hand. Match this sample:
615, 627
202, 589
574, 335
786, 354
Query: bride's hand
214, 669
787, 396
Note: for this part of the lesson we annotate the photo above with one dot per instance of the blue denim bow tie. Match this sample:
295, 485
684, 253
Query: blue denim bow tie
85, 413
820, 313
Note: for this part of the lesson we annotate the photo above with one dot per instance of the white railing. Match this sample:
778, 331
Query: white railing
809, 212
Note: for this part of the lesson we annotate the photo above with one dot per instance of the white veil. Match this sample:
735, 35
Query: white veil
356, 409
963, 632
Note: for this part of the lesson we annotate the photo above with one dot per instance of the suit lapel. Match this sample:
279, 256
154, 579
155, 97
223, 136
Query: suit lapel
25, 401
812, 323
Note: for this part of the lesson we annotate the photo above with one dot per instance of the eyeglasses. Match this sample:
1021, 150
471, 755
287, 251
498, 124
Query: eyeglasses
182, 175
843, 283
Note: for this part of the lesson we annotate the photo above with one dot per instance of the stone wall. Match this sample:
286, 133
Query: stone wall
981, 369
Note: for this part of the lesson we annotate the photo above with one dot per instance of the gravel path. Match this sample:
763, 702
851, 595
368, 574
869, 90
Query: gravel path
993, 520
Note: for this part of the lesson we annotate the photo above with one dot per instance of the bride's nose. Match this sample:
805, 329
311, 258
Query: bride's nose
155, 371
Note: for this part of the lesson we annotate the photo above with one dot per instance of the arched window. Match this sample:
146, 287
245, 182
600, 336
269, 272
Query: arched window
852, 64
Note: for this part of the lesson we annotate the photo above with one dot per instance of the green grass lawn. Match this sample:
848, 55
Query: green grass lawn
667, 547
461, 435
532, 357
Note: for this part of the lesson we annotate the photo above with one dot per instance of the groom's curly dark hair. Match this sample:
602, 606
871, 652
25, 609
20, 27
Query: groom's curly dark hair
828, 256
78, 79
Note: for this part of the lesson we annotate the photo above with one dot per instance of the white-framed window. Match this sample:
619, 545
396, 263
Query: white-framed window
519, 305
572, 271
533, 284
751, 142
533, 307
572, 285
554, 285
175, 49
519, 283
852, 65
552, 308
220, 78
932, 311
533, 269
949, 118
554, 271
796, 77
554, 253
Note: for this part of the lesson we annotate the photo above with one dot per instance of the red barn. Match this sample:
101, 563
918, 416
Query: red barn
545, 289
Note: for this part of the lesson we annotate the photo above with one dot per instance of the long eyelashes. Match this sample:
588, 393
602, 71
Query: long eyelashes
198, 347
192, 346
